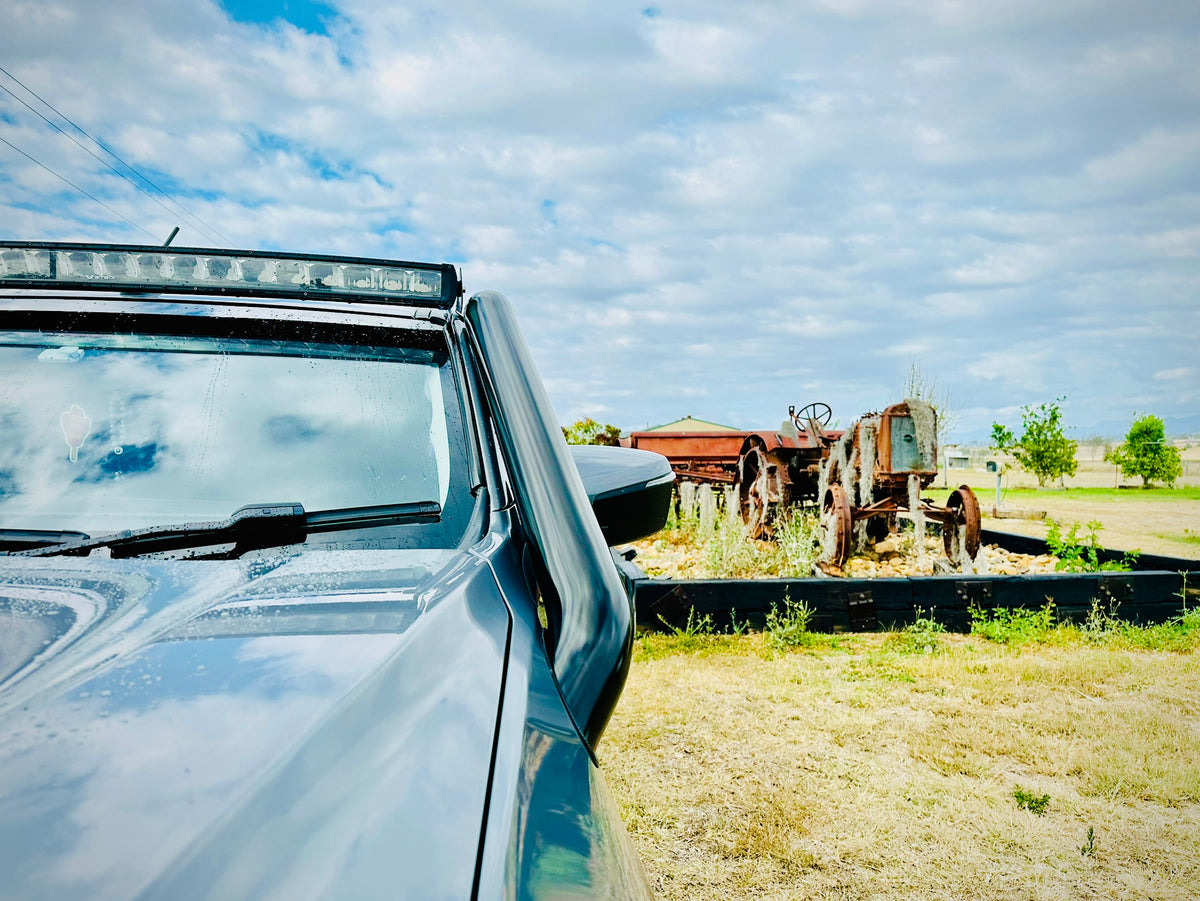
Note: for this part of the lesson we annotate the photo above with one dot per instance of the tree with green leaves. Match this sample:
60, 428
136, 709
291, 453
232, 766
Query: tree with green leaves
1043, 448
1146, 453
588, 431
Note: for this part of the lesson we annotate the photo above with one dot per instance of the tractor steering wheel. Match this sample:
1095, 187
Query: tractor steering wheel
819, 412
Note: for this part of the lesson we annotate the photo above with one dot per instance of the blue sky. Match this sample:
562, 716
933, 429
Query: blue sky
303, 14
698, 208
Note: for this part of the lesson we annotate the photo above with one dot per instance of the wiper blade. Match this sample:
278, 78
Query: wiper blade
252, 527
370, 517
21, 539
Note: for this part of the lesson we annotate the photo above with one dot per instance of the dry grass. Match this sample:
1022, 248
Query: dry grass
853, 770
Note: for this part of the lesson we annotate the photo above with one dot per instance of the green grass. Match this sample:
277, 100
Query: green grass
1080, 553
1125, 494
788, 631
1102, 628
1189, 536
725, 549
789, 628
1015, 627
921, 636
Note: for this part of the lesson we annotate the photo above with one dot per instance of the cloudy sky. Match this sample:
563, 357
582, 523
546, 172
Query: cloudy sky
698, 208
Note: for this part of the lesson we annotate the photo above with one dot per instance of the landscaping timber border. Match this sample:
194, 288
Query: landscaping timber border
1143, 596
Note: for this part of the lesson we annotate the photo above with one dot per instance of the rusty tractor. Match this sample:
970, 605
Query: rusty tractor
807, 463
876, 470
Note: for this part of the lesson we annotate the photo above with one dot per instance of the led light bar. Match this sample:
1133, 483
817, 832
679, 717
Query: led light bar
141, 270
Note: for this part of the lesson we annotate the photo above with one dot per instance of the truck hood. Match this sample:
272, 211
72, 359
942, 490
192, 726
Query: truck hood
319, 725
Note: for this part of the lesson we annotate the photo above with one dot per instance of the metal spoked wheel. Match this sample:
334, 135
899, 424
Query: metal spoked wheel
751, 503
965, 507
819, 413
836, 525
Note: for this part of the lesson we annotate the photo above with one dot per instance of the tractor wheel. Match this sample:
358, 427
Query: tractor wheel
752, 492
836, 525
964, 526
764, 490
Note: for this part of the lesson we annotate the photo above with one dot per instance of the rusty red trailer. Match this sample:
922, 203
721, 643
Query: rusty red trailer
770, 469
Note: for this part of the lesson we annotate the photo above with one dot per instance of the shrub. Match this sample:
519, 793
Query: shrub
1079, 554
588, 431
789, 629
1145, 453
1013, 627
921, 636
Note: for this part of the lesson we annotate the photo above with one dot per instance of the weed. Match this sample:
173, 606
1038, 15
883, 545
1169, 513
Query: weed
708, 526
736, 628
1101, 623
695, 625
918, 637
1089, 845
1013, 627
1178, 634
1103, 626
1027, 800
1080, 553
789, 629
797, 535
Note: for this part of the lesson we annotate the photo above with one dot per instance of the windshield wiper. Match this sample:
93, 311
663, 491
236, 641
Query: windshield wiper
252, 527
21, 539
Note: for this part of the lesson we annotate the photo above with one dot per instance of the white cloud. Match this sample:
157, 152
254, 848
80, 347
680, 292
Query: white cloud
1182, 372
819, 185
1158, 157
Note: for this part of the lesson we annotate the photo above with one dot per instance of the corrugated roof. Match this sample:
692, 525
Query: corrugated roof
688, 424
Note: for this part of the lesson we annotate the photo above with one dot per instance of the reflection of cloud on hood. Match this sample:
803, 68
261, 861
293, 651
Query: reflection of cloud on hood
102, 753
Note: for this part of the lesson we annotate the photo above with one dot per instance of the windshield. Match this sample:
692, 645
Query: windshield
108, 432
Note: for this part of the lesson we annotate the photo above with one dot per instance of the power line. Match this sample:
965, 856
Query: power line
97, 157
195, 218
77, 188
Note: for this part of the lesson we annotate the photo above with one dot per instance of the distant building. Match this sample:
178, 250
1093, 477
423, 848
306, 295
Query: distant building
688, 424
957, 458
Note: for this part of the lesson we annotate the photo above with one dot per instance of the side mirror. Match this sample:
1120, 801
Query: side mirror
629, 489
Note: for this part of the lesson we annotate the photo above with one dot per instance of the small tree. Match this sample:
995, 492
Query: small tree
1146, 453
917, 385
588, 431
1043, 448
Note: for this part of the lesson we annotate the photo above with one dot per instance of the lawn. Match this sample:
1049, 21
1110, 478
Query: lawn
1038, 763
1162, 521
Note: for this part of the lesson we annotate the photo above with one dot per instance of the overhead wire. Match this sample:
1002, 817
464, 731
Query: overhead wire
63, 178
196, 220
106, 163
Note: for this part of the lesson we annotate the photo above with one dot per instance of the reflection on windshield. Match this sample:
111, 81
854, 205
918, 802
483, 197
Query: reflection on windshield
103, 435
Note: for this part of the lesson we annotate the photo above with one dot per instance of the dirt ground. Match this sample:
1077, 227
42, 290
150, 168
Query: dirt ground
1131, 519
1152, 527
